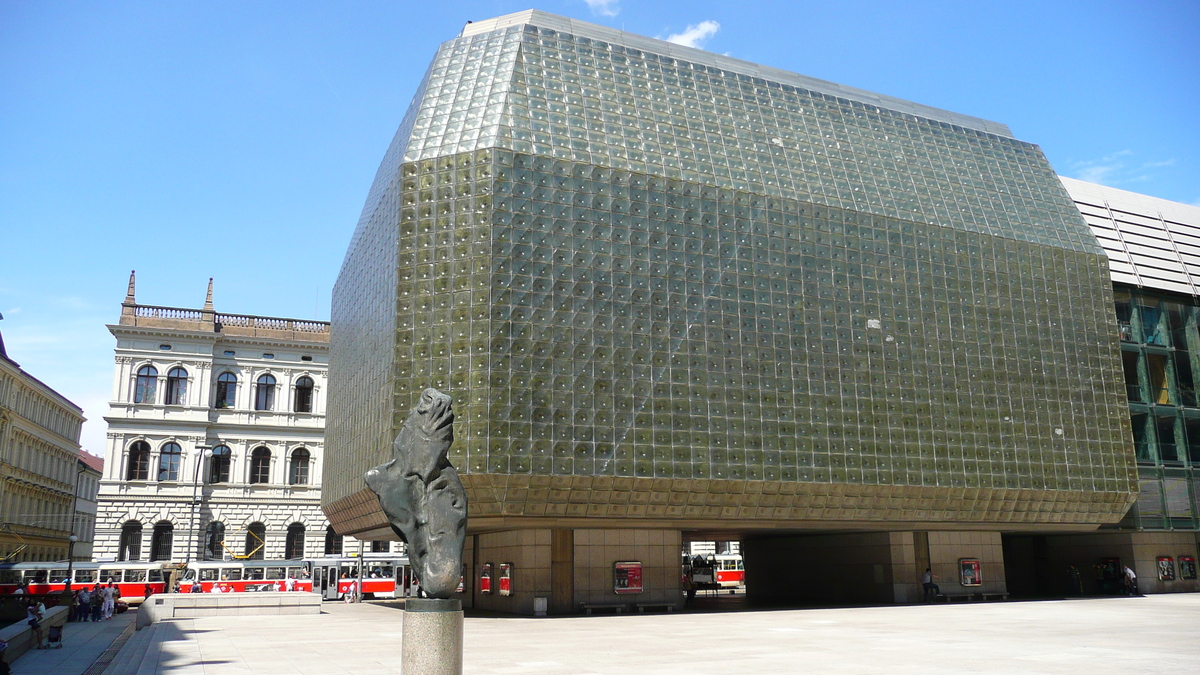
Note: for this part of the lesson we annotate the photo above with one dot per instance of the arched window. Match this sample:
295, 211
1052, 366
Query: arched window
161, 541
218, 465
260, 465
294, 548
168, 462
256, 541
147, 385
333, 542
264, 393
226, 390
214, 537
131, 541
304, 395
139, 462
176, 387
298, 469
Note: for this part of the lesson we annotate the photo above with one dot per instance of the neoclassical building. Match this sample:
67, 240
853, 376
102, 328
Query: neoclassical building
39, 450
215, 436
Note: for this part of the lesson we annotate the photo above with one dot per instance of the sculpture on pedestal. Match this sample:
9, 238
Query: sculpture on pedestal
423, 496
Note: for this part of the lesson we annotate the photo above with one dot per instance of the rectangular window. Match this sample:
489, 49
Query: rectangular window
82, 576
1160, 389
1141, 439
276, 573
1124, 315
1132, 382
1183, 376
1166, 439
1192, 427
209, 574
231, 574
134, 576
1150, 314
156, 575
254, 574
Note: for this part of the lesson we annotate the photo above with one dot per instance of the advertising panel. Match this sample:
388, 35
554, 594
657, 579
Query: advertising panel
1166, 568
485, 579
969, 572
627, 577
506, 579
1187, 567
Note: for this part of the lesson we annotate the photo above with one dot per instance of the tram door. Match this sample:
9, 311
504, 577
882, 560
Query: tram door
325, 579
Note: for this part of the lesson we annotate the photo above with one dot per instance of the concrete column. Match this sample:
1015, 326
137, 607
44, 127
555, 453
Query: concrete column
433, 637
562, 571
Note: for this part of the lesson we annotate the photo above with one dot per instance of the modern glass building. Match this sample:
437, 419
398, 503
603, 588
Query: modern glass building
674, 294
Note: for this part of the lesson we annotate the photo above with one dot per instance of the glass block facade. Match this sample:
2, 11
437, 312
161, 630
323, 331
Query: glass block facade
664, 288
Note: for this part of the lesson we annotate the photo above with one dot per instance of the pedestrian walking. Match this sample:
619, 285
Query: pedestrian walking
1131, 586
110, 601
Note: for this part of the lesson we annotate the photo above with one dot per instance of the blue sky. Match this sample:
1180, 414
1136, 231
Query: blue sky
237, 140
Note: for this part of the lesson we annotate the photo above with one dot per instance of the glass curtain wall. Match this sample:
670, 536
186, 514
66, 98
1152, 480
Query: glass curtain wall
1160, 349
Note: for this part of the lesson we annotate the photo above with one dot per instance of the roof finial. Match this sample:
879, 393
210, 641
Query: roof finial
129, 294
208, 307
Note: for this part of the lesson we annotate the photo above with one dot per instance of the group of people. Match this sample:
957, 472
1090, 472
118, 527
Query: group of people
96, 603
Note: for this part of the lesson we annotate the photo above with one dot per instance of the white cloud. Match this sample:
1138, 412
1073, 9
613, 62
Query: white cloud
1118, 169
695, 35
603, 7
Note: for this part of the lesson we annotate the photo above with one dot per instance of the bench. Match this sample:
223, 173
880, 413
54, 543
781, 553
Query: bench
643, 606
617, 607
970, 597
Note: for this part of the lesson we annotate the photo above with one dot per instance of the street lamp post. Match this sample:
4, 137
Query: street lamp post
206, 452
70, 560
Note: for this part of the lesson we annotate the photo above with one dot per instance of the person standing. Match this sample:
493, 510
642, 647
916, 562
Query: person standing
290, 584
83, 604
97, 602
1074, 579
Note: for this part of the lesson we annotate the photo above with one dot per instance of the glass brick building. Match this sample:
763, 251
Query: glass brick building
677, 295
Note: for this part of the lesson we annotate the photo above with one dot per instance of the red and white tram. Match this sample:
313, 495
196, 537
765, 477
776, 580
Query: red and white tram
383, 576
130, 578
729, 569
242, 576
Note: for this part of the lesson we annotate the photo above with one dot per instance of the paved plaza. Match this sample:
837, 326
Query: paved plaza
1104, 635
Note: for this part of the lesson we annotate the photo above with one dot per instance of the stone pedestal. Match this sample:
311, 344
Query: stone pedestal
433, 637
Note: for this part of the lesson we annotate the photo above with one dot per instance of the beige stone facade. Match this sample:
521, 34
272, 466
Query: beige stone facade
39, 449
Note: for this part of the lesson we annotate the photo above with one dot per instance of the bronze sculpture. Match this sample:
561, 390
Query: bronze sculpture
423, 496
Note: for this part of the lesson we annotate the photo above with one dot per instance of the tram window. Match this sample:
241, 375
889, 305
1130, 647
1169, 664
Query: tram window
253, 574
384, 571
208, 574
189, 575
58, 576
35, 576
349, 571
134, 575
276, 573
231, 574
85, 576
156, 575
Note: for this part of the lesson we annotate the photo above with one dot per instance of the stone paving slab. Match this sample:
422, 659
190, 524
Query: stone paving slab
1153, 634
83, 643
